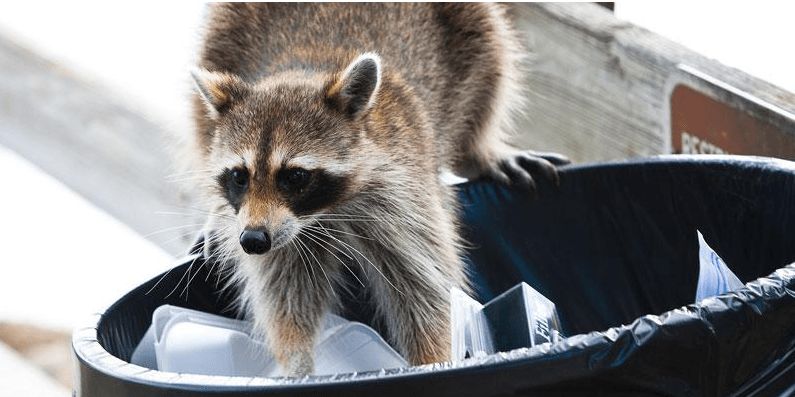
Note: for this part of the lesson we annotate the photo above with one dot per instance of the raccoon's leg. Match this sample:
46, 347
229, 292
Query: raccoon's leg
287, 304
415, 311
410, 278
292, 337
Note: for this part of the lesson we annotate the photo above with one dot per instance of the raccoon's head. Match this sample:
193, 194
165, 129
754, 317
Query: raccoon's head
287, 149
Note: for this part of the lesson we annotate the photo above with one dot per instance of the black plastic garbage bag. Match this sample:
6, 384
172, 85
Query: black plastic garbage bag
614, 247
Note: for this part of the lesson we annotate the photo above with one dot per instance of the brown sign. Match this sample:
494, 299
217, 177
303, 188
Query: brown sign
700, 124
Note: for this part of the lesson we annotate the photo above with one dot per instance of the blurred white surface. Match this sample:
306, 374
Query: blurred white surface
63, 258
755, 37
142, 50
18, 378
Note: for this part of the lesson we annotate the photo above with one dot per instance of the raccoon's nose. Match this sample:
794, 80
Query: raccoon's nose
255, 241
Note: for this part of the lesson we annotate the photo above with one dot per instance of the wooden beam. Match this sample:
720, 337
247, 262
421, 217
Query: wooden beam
85, 137
600, 88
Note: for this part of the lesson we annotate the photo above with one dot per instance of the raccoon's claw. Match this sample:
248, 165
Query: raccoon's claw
554, 158
521, 167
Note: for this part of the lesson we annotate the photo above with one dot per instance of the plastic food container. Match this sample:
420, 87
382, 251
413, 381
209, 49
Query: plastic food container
189, 341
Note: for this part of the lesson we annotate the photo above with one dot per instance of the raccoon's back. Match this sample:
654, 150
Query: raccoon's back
453, 55
421, 40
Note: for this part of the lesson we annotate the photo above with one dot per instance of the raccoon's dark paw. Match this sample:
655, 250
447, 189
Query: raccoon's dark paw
521, 168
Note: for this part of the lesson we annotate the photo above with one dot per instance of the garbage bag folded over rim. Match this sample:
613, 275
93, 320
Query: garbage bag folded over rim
595, 344
625, 225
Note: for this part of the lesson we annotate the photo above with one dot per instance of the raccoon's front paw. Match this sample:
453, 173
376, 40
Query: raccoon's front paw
522, 167
292, 342
299, 364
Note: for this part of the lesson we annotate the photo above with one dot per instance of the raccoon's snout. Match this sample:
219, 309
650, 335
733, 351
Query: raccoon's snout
255, 241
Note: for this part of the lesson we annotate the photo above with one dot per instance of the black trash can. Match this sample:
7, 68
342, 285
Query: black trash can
614, 247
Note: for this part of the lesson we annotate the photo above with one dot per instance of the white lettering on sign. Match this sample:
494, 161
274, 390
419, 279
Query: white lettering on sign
694, 145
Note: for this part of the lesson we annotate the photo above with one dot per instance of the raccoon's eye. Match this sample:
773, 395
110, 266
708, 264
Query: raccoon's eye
294, 179
239, 176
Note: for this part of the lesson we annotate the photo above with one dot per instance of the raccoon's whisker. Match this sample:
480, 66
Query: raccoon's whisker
179, 236
158, 281
343, 214
352, 256
224, 254
228, 246
341, 219
191, 171
169, 271
329, 229
302, 246
190, 178
210, 272
223, 263
348, 246
326, 230
320, 265
203, 210
301, 255
163, 277
187, 173
184, 291
215, 239
174, 213
176, 286
198, 212
314, 230
187, 285
216, 269
208, 171
312, 234
169, 229
323, 244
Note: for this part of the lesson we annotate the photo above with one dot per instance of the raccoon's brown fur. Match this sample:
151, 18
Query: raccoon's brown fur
323, 128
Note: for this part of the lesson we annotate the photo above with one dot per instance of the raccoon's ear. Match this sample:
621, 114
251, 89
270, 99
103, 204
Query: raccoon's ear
217, 89
355, 89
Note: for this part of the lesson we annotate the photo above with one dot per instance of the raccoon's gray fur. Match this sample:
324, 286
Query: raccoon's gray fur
324, 128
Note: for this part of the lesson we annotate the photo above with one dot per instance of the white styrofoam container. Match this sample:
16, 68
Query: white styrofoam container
188, 341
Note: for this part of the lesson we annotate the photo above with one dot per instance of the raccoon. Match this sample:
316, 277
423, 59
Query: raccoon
323, 129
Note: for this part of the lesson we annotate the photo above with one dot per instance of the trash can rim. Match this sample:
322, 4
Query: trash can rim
675, 159
89, 352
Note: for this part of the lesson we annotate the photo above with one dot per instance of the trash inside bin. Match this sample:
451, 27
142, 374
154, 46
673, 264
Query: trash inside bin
613, 247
